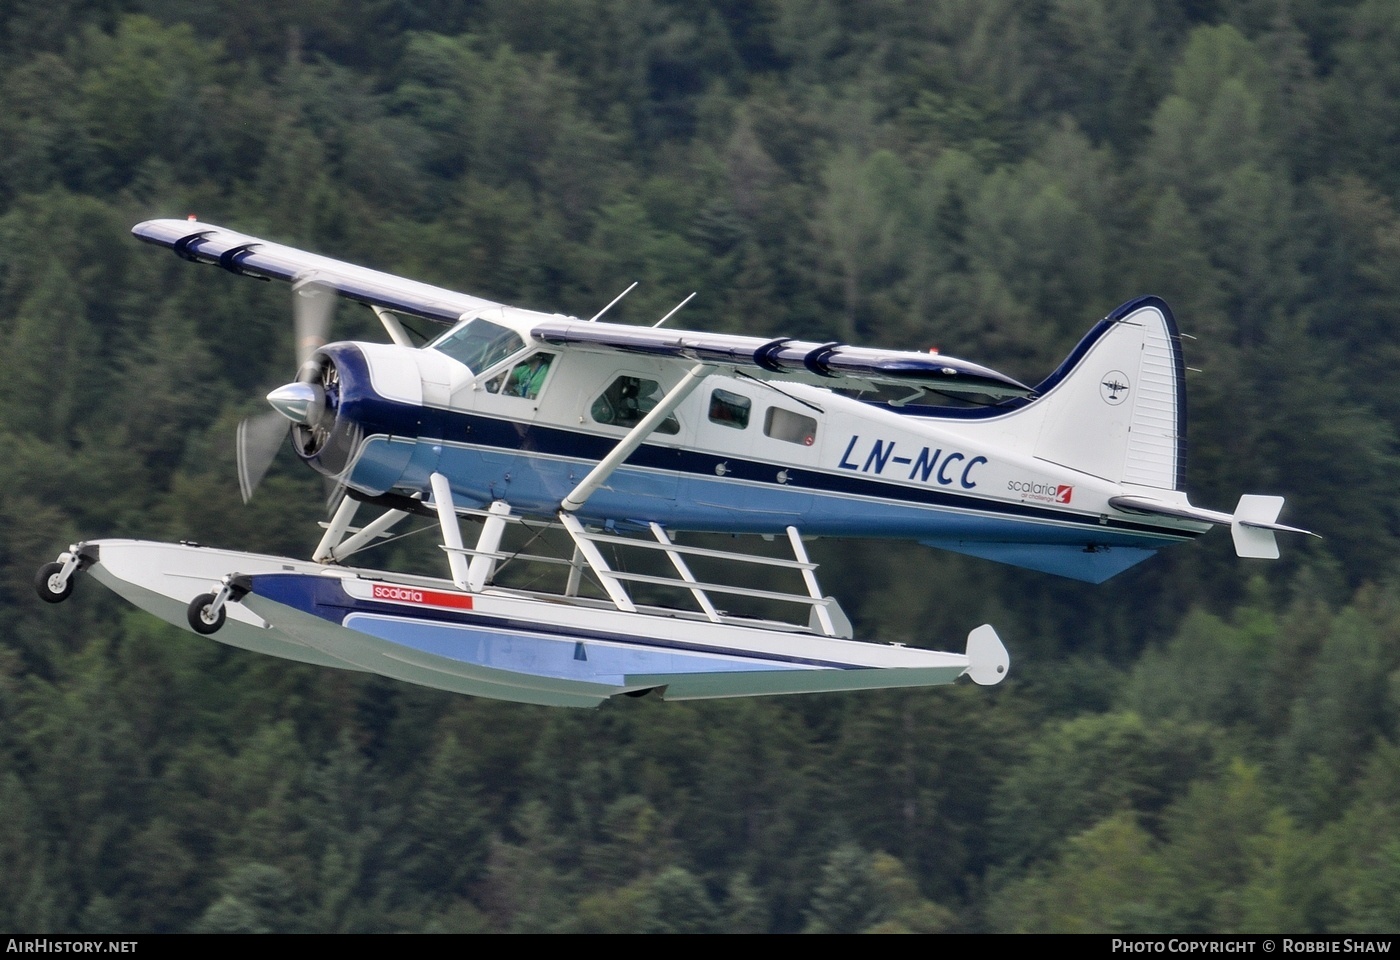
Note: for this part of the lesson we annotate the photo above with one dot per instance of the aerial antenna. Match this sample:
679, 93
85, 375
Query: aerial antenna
777, 389
673, 311
610, 306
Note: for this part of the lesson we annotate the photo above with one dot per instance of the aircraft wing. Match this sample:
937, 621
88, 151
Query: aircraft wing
252, 257
824, 364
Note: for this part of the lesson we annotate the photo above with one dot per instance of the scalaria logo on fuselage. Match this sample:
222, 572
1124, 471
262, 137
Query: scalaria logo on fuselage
1044, 492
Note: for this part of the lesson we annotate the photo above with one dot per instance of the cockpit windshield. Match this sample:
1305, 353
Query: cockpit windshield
479, 344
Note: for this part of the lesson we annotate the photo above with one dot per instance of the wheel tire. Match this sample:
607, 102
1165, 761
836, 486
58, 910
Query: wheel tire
44, 584
198, 615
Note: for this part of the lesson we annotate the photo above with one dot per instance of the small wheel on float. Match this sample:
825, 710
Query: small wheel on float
50, 586
201, 616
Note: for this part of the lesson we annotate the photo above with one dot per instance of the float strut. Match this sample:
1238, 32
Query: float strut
451, 530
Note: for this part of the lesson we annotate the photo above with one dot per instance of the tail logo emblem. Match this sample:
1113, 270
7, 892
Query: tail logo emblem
1114, 388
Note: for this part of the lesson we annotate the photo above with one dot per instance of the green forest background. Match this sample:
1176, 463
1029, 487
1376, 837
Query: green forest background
1201, 744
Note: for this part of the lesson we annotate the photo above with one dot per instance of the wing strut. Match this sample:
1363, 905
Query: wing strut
625, 447
393, 327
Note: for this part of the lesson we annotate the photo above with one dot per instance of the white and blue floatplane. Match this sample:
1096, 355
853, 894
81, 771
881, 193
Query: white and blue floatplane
619, 437
555, 648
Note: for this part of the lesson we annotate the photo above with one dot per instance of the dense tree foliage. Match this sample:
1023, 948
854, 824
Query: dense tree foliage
1202, 744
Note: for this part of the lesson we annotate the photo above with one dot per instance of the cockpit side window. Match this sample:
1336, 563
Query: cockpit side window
479, 344
525, 379
627, 401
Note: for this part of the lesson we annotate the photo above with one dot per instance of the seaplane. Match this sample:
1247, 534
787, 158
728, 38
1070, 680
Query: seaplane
619, 439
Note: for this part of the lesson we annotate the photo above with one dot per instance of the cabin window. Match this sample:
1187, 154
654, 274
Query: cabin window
525, 379
479, 344
627, 401
792, 427
730, 409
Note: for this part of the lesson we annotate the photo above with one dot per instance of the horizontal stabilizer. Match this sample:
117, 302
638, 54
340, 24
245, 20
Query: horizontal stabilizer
1252, 525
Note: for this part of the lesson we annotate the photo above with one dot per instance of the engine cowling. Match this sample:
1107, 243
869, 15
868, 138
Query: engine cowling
355, 410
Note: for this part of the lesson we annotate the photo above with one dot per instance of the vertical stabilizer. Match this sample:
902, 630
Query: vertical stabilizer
1116, 407
1253, 525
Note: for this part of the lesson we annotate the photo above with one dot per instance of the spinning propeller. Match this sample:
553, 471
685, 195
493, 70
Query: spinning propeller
309, 402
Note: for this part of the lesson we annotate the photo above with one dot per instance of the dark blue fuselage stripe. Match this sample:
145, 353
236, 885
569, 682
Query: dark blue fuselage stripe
523, 439
511, 437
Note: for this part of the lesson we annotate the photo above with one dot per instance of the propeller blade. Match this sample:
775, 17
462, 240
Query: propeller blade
336, 485
259, 439
313, 306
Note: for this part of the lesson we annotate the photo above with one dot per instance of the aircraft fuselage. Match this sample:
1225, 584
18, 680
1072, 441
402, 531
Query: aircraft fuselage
739, 455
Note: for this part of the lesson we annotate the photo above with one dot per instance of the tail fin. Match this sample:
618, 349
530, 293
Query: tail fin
1116, 408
